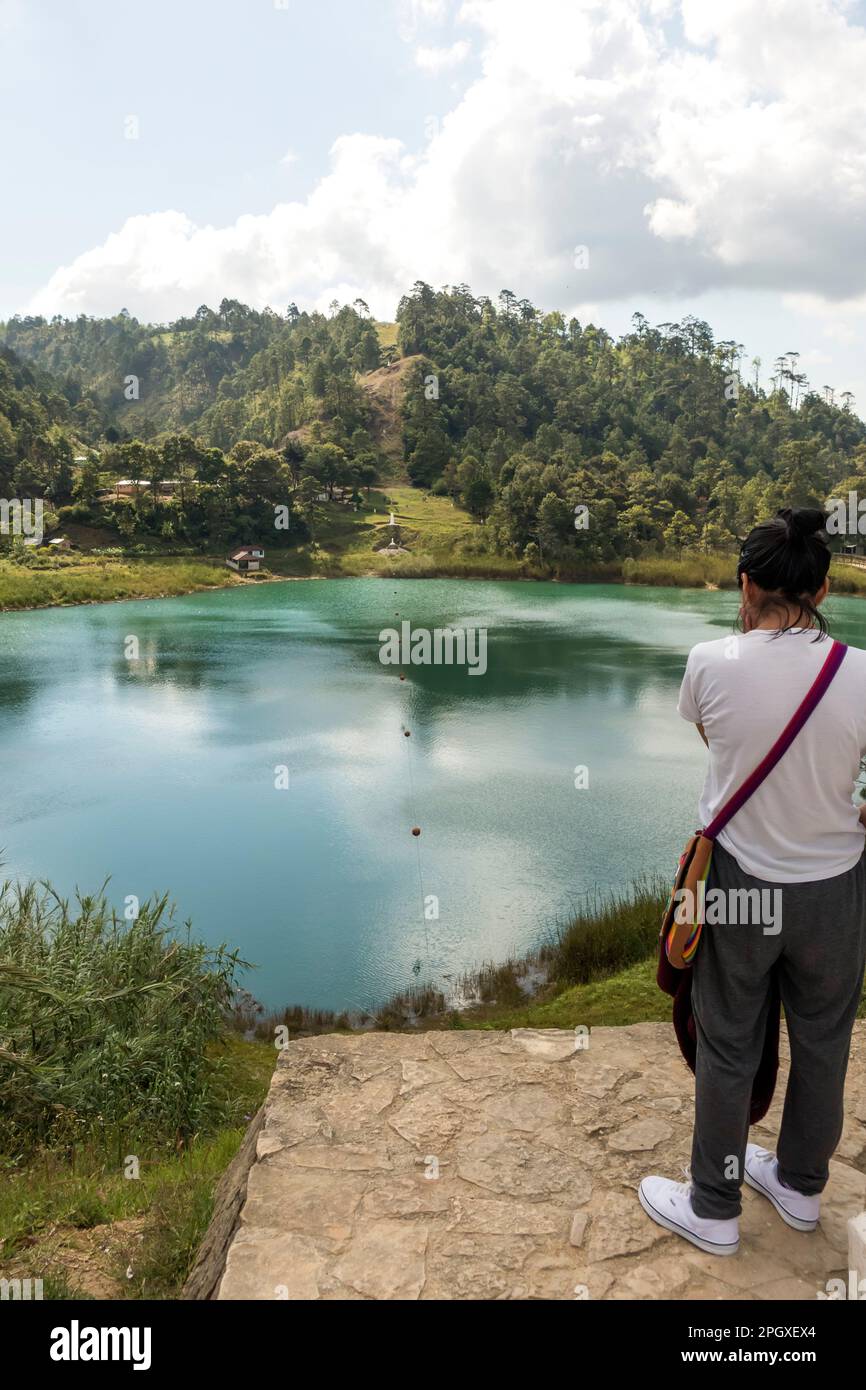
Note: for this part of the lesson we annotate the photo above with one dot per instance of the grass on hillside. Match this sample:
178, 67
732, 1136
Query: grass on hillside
388, 334
349, 537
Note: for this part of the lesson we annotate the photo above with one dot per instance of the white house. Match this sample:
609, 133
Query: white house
247, 559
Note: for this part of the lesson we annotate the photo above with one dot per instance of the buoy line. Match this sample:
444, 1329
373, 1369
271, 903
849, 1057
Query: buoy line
416, 830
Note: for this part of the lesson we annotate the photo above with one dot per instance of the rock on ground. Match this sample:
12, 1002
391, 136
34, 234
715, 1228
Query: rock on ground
479, 1165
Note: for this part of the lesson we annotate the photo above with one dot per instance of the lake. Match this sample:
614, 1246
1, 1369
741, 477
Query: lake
160, 772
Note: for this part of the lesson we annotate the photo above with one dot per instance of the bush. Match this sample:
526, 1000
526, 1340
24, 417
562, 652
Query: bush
80, 512
103, 1022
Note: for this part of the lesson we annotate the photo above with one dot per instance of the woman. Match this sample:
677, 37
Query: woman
799, 841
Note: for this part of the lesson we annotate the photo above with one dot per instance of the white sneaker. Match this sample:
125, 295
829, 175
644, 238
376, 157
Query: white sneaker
670, 1205
762, 1173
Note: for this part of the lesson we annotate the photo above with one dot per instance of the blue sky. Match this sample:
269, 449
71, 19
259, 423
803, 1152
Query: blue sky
711, 158
223, 90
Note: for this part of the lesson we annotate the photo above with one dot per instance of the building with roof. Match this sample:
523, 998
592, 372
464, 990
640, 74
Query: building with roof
247, 559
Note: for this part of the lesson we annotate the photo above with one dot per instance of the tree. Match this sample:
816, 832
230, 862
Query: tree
555, 524
680, 533
478, 497
329, 463
264, 479
637, 528
368, 475
87, 485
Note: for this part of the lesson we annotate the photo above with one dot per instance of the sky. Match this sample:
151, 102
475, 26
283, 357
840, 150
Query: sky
596, 156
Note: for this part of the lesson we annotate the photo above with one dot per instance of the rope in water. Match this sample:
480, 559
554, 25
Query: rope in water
412, 798
416, 831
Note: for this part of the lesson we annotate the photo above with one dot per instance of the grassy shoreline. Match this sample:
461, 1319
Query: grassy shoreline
129, 579
96, 580
443, 543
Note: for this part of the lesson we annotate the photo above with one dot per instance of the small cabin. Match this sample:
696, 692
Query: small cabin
60, 543
246, 560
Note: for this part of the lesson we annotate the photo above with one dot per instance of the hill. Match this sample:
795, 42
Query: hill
570, 451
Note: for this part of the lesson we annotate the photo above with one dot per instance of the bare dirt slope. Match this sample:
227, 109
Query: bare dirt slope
385, 389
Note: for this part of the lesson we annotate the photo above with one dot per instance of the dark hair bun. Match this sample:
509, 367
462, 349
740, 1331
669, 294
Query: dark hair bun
803, 522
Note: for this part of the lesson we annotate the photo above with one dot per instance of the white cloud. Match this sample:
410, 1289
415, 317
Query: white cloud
289, 158
437, 60
731, 158
669, 219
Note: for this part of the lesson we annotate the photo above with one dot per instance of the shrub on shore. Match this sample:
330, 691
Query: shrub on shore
611, 933
104, 1023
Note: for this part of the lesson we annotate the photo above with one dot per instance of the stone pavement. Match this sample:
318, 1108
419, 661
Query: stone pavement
478, 1165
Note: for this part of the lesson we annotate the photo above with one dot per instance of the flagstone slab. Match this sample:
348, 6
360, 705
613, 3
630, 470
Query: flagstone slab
486, 1165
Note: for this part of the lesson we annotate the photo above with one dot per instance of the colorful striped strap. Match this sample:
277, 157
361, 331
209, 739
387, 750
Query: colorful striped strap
819, 688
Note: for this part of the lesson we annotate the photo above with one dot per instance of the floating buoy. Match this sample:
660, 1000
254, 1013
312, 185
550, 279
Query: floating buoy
406, 733
416, 830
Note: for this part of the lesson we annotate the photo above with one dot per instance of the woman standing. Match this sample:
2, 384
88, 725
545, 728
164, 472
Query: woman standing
799, 842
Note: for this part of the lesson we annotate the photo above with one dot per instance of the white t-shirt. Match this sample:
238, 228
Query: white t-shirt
801, 824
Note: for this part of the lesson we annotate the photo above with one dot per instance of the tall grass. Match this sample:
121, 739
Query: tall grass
692, 569
104, 1023
611, 933
847, 579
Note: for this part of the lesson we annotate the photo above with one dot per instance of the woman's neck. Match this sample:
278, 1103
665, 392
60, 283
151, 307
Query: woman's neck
775, 621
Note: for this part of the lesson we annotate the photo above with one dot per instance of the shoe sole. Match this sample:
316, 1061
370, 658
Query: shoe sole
709, 1247
795, 1222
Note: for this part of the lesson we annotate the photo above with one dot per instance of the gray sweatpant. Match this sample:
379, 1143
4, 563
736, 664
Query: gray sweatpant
818, 958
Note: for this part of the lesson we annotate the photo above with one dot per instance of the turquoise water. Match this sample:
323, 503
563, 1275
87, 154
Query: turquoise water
160, 772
